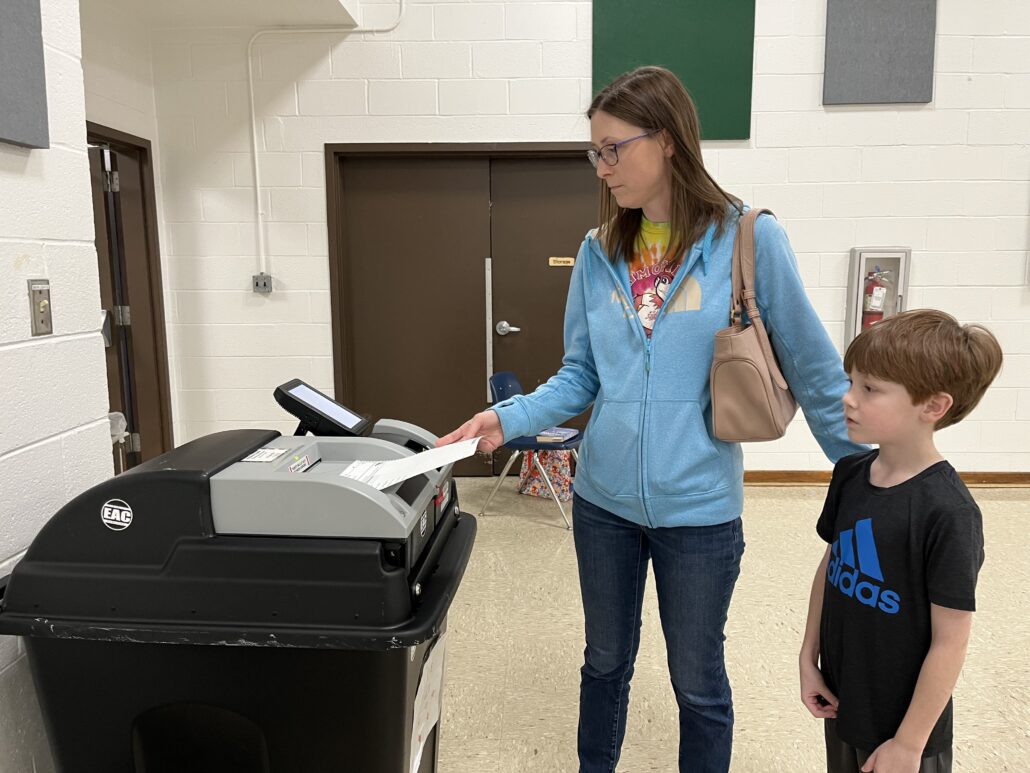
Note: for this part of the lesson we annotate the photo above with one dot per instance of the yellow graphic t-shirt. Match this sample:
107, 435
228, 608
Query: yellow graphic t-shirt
650, 274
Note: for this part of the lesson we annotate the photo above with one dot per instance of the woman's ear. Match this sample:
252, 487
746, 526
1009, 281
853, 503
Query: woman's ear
668, 146
936, 406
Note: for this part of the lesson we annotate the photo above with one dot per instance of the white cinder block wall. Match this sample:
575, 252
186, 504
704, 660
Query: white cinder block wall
116, 65
54, 436
950, 179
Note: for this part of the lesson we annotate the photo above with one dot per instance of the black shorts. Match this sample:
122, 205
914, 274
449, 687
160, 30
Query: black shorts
844, 758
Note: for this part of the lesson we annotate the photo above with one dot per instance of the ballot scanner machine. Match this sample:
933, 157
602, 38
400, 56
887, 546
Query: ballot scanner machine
239, 605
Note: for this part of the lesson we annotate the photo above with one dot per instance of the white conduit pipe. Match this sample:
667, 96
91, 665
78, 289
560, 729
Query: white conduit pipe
259, 212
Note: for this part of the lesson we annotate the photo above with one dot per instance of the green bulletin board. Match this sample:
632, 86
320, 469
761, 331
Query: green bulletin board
709, 45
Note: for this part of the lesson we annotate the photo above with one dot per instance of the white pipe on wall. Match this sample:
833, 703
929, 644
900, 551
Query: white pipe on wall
258, 209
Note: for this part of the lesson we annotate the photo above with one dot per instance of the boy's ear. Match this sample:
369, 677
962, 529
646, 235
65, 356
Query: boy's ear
936, 406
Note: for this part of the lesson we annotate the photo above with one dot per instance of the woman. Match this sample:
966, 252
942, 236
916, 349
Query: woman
649, 290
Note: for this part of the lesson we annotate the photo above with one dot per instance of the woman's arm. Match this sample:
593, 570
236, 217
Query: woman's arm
574, 387
807, 357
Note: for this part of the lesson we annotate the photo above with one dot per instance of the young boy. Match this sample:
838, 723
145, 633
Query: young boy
892, 600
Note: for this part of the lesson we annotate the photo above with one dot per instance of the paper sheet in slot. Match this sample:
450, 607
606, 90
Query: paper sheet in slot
382, 475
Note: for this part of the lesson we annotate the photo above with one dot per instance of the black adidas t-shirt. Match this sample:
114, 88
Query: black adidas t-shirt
894, 551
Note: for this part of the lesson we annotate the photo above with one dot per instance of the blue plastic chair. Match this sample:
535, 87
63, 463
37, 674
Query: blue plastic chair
502, 386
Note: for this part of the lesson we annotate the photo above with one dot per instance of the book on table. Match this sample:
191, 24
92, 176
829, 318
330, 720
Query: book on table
556, 435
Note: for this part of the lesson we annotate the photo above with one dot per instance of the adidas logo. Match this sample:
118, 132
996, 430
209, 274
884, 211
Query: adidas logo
842, 571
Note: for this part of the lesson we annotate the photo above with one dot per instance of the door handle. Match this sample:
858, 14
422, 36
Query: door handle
503, 328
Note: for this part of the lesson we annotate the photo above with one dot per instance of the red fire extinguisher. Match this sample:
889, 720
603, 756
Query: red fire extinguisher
874, 298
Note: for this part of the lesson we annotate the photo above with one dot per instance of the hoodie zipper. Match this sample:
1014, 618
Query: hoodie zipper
647, 385
643, 423
647, 404
681, 275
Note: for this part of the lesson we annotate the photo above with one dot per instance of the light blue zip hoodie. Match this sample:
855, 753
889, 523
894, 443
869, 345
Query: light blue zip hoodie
648, 454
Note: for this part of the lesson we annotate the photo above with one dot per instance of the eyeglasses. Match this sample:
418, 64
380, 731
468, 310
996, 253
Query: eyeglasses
610, 153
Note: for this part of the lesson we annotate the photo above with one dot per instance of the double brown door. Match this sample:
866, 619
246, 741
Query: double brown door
431, 252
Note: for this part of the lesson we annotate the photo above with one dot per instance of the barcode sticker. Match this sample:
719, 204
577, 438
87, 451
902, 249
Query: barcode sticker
265, 455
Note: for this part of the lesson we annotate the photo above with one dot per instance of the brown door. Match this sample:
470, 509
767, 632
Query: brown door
542, 208
130, 292
412, 236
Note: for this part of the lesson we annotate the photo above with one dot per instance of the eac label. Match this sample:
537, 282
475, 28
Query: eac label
116, 514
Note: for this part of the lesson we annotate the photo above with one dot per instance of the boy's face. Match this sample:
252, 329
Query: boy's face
882, 412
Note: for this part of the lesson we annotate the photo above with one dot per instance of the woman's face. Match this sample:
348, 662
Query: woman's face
642, 179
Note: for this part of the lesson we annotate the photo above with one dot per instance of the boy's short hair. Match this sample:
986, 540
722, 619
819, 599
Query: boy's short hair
927, 351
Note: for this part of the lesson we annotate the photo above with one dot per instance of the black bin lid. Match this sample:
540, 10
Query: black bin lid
136, 558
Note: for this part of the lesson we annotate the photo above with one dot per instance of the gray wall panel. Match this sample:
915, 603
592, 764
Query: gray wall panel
23, 109
879, 51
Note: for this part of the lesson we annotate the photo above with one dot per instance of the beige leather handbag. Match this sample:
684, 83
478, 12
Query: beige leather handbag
750, 398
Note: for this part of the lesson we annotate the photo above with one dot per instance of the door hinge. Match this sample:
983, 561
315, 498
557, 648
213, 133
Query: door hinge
111, 182
122, 316
132, 443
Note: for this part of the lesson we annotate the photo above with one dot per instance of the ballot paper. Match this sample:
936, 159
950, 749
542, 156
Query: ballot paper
382, 475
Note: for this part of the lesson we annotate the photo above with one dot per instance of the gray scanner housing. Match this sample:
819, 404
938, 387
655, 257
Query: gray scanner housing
266, 498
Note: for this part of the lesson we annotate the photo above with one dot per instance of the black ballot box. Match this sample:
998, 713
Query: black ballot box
158, 644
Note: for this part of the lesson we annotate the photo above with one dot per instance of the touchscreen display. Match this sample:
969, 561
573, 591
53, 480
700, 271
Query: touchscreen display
324, 405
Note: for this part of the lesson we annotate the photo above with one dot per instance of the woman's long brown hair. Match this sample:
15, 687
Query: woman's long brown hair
654, 99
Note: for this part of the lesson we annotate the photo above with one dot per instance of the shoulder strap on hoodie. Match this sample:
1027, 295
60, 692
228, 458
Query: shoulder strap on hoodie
743, 261
744, 288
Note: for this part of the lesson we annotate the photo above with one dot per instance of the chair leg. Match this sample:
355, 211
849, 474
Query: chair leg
575, 455
500, 480
543, 473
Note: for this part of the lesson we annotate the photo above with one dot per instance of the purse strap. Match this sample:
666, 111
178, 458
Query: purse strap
744, 289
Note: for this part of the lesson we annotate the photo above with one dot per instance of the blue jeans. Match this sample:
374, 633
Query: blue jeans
695, 569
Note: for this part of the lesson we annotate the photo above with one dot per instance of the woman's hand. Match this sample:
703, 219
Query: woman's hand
820, 702
485, 425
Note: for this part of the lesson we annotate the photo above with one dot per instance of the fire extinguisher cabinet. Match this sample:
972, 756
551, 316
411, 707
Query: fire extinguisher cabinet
877, 287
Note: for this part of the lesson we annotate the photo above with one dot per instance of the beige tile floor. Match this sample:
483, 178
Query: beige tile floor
515, 643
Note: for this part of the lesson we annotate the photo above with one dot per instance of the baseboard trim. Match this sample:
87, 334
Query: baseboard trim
821, 478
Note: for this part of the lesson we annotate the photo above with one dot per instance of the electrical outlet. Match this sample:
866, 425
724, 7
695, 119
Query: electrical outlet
263, 283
